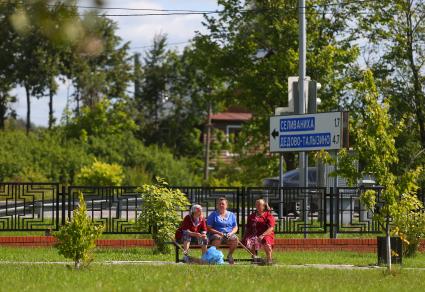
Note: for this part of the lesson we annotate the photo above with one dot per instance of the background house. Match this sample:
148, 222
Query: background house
229, 123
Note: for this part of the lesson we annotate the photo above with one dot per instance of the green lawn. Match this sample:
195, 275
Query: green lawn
137, 254
203, 278
101, 277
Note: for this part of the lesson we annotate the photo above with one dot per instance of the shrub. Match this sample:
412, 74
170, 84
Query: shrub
77, 238
101, 174
102, 119
40, 156
52, 156
159, 212
153, 161
409, 222
137, 176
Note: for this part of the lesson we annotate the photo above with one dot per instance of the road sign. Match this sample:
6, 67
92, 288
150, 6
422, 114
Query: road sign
306, 132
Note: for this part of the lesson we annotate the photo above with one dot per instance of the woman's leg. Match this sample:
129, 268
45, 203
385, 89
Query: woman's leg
268, 250
186, 245
204, 244
233, 244
253, 251
204, 248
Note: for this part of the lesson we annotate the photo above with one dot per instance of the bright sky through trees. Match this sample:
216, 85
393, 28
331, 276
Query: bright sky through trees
139, 31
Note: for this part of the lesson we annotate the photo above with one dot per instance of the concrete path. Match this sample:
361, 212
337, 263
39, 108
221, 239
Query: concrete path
159, 263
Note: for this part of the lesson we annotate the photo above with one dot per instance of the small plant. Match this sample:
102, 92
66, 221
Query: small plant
77, 238
159, 212
409, 222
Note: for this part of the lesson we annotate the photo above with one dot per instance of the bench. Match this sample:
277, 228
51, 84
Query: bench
195, 246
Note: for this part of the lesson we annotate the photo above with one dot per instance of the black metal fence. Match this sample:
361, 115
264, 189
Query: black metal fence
43, 206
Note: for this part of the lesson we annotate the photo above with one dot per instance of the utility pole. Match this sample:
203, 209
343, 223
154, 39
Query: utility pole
303, 158
207, 143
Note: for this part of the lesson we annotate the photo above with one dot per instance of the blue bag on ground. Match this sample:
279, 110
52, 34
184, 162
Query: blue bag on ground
213, 256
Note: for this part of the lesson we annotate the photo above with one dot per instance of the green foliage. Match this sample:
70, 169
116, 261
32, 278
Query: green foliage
40, 156
52, 156
374, 135
248, 55
104, 70
100, 120
409, 222
159, 212
136, 176
77, 238
223, 182
152, 93
100, 174
151, 161
396, 34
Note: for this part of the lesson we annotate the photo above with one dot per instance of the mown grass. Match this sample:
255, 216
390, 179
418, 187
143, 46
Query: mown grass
203, 278
102, 277
138, 254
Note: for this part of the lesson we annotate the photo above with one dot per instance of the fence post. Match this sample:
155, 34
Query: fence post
337, 212
58, 193
331, 213
243, 193
63, 194
238, 211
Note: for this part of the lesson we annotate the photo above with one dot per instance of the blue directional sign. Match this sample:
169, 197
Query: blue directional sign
306, 132
297, 124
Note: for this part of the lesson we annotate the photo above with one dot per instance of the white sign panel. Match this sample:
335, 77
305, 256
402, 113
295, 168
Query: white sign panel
308, 132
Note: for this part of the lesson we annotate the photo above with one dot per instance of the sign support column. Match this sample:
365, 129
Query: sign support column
303, 158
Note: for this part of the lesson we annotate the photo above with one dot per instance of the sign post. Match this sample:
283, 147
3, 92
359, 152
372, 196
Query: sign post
309, 132
303, 133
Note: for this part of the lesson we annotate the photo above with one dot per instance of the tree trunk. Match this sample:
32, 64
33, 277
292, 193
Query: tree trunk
28, 124
77, 99
78, 264
417, 88
387, 233
207, 143
51, 118
3, 109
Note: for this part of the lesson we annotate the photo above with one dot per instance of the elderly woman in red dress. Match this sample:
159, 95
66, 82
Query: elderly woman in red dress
193, 229
260, 230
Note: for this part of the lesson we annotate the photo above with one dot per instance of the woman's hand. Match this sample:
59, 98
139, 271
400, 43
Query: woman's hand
261, 237
198, 235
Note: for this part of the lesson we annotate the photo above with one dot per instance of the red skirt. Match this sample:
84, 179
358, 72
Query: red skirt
253, 242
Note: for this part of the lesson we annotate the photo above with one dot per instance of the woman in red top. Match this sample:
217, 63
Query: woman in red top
193, 229
260, 230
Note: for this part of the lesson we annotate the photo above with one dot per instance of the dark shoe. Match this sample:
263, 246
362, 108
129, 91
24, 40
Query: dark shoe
230, 260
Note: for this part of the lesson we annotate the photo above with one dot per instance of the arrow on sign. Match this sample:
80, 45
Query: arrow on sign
275, 133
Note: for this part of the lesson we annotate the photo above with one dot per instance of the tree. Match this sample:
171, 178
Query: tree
32, 36
77, 238
151, 96
5, 101
395, 31
32, 74
7, 62
252, 48
160, 206
58, 21
101, 120
189, 96
101, 68
373, 136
